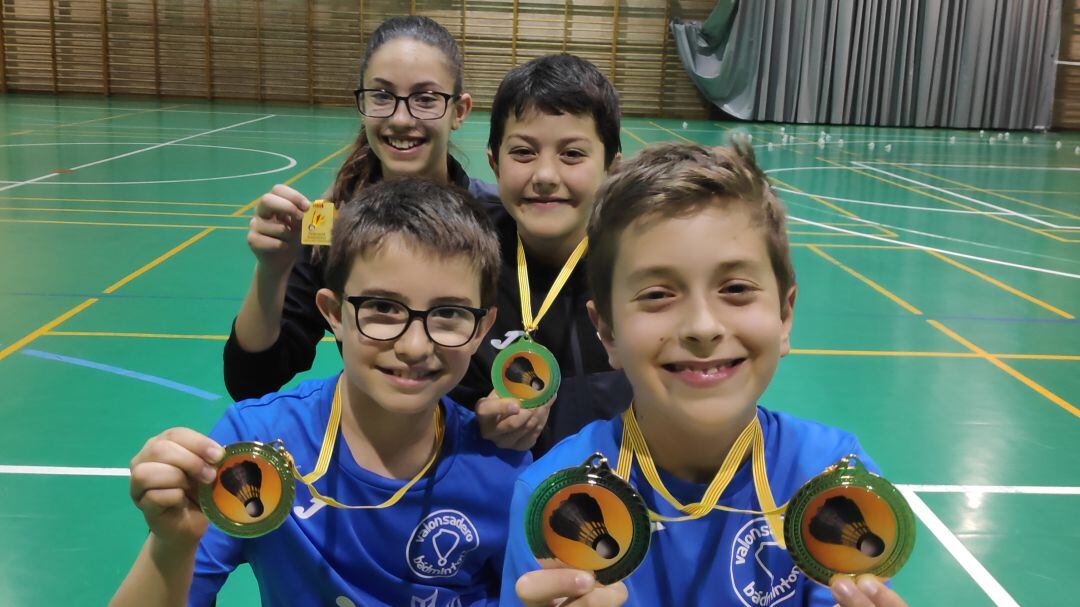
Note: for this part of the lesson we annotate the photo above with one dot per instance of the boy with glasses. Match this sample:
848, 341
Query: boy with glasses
410, 278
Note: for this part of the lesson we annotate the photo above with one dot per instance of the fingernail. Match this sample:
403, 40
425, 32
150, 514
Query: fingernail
208, 475
582, 582
215, 453
869, 585
843, 588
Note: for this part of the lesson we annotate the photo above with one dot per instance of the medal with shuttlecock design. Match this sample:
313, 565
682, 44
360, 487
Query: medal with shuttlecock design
527, 371
588, 518
849, 521
253, 491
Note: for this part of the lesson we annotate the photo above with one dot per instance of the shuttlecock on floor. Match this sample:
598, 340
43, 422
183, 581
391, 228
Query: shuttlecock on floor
952, 140
1025, 140
770, 146
870, 146
1057, 146
992, 141
840, 142
1076, 150
888, 147
982, 133
783, 129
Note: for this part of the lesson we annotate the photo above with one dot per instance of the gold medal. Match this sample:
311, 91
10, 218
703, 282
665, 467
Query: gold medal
587, 518
849, 521
253, 491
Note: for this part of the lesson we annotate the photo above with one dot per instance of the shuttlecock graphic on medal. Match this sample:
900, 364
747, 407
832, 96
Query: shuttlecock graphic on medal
521, 371
244, 481
839, 521
580, 519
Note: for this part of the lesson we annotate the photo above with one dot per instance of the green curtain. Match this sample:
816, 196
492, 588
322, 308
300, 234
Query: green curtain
947, 63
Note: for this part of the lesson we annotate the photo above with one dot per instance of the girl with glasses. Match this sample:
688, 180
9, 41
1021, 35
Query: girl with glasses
410, 99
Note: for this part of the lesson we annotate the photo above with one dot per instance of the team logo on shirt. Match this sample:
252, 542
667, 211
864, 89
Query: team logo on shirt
762, 574
438, 545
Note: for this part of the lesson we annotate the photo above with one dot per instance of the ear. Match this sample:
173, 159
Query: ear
481, 331
493, 163
462, 107
788, 316
330, 308
614, 162
604, 332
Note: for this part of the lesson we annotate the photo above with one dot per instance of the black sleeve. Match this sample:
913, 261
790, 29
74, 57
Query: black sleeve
255, 374
475, 385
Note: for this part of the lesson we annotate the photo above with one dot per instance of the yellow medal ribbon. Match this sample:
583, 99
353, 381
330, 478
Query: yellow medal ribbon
327, 450
530, 323
751, 438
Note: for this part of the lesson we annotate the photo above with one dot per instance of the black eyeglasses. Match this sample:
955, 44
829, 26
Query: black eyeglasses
422, 105
385, 319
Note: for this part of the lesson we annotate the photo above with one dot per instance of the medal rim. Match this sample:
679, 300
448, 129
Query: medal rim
855, 477
601, 476
279, 463
527, 345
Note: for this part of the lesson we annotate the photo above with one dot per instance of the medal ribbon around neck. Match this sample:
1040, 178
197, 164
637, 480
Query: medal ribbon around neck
327, 450
751, 438
529, 322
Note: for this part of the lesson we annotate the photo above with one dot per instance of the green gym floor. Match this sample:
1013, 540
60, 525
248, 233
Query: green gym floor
938, 287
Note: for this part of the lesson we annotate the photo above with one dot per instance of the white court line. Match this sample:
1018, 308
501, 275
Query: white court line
1048, 224
132, 153
64, 471
1024, 490
974, 568
894, 205
1018, 167
937, 250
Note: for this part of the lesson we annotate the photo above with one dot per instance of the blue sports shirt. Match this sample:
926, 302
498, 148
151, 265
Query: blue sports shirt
442, 545
721, 559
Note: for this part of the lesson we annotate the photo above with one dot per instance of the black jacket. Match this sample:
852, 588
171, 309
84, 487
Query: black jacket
255, 374
590, 389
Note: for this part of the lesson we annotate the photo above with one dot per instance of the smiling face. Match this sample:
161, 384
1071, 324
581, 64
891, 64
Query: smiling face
406, 145
409, 374
696, 318
548, 169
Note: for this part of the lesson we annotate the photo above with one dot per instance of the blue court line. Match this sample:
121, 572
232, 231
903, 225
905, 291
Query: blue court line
123, 372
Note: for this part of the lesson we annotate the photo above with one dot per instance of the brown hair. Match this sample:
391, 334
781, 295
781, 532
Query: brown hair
439, 219
668, 180
362, 166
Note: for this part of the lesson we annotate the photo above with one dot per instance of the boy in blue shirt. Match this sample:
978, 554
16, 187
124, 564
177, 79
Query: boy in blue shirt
411, 275
693, 295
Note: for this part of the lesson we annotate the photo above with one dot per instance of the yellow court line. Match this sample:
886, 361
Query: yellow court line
140, 335
121, 225
1054, 398
120, 201
1003, 286
173, 251
148, 335
157, 261
875, 286
799, 351
293, 179
674, 133
859, 171
832, 206
833, 245
119, 212
46, 327
983, 190
633, 136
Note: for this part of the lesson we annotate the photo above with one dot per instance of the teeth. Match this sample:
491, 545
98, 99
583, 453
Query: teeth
410, 374
402, 144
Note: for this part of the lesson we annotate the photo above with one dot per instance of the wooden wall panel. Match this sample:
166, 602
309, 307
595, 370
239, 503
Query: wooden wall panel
309, 50
1067, 93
